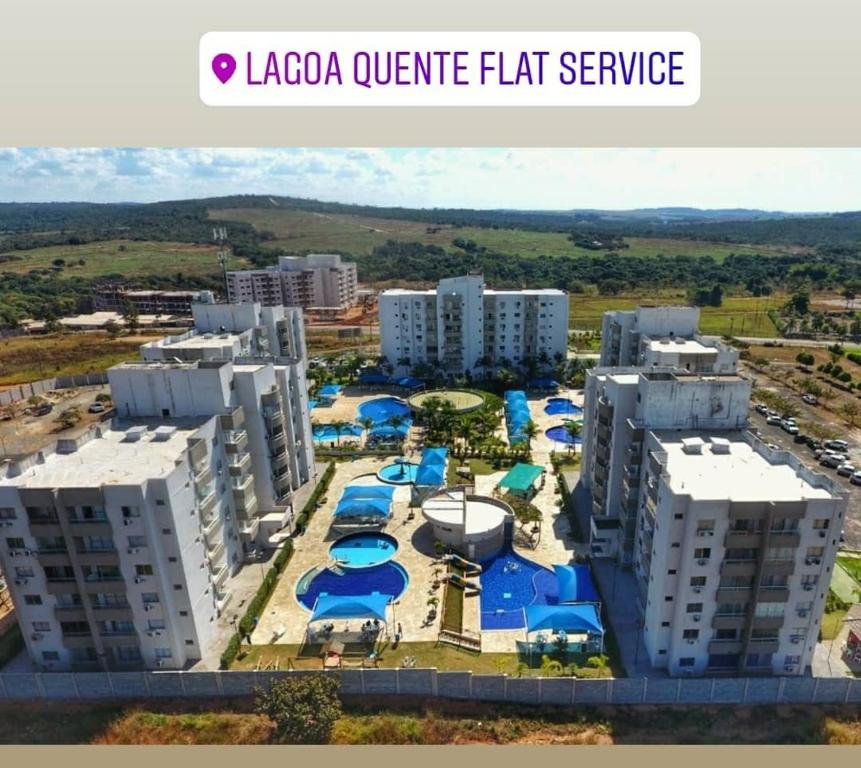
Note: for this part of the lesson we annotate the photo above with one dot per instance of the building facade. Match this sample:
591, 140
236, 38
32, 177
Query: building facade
461, 327
620, 405
735, 546
662, 337
318, 280
117, 298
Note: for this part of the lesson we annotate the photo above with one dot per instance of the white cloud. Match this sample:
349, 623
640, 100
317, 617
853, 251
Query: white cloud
777, 179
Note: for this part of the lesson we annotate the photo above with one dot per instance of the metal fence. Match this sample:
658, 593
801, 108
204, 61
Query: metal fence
564, 691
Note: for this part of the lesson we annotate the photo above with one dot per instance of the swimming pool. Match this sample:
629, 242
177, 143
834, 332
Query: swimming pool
382, 409
399, 473
509, 583
363, 550
562, 405
329, 432
386, 579
561, 435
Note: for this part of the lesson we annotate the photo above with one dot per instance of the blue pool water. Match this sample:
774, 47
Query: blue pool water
399, 474
328, 432
562, 405
509, 583
362, 550
560, 435
383, 408
387, 579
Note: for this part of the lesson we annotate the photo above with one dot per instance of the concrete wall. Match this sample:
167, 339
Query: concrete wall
453, 685
23, 391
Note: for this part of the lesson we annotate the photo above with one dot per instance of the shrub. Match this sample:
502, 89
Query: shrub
230, 652
304, 709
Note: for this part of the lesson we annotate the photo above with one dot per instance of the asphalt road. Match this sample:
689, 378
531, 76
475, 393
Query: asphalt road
774, 434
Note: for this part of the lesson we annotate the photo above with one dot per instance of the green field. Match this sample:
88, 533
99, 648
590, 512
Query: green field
125, 257
357, 235
738, 315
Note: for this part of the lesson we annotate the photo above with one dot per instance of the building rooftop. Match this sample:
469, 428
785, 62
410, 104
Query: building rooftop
681, 346
200, 341
727, 467
126, 453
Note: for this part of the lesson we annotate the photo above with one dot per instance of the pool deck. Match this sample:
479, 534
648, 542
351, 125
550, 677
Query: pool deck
286, 618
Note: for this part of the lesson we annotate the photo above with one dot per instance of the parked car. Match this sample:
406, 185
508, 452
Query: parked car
810, 399
846, 469
855, 478
787, 425
837, 445
40, 410
97, 408
831, 460
760, 408
774, 420
799, 438
813, 443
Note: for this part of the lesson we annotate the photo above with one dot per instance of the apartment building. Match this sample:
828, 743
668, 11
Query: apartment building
620, 405
116, 298
735, 545
121, 546
662, 337
318, 280
461, 326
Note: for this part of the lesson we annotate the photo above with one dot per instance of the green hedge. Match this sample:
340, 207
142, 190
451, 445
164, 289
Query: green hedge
261, 598
11, 644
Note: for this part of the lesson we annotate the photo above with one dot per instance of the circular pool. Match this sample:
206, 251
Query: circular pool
561, 435
386, 579
363, 550
463, 401
557, 406
399, 473
381, 409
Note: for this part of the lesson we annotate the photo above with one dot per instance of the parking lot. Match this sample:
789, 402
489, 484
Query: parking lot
776, 435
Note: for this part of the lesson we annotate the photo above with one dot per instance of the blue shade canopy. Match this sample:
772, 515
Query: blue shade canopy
431, 469
365, 501
516, 415
351, 607
387, 430
408, 382
575, 584
563, 618
369, 377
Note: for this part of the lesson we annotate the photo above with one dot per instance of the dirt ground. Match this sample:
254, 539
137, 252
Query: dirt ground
23, 435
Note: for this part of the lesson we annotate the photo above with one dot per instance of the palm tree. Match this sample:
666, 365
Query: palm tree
573, 429
367, 424
465, 432
529, 432
338, 426
396, 421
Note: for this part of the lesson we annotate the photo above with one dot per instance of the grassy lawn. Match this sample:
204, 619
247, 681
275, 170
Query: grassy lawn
409, 720
476, 466
844, 585
359, 235
452, 608
28, 358
831, 625
852, 565
125, 257
738, 315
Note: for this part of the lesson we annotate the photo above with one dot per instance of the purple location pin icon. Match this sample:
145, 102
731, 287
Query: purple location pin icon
223, 65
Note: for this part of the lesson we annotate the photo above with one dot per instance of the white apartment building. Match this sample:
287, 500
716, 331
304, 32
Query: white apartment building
318, 280
121, 546
620, 405
662, 337
462, 326
735, 545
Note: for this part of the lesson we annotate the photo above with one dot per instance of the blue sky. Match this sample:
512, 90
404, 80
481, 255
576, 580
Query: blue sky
774, 179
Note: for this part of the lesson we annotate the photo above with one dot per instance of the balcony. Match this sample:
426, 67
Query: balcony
239, 463
767, 622
773, 594
778, 568
78, 640
219, 576
249, 529
275, 419
203, 478
207, 504
738, 567
215, 551
784, 538
729, 620
763, 645
222, 599
211, 528
235, 441
70, 613
733, 594
98, 557
742, 539
725, 646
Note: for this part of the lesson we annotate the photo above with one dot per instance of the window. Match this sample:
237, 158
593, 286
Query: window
131, 512
183, 613
41, 626
820, 524
792, 661
129, 653
671, 572
15, 542
723, 660
50, 656
24, 571
694, 608
136, 542
177, 587
149, 598
731, 609
769, 610
703, 553
7, 513
759, 659
690, 634
189, 642
163, 653
665, 623
771, 581
686, 661
698, 581
166, 531
154, 624
780, 553
32, 600
726, 634
705, 527
143, 570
